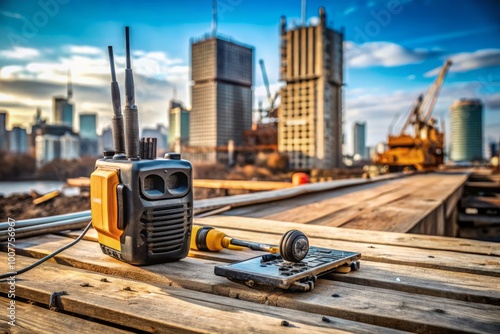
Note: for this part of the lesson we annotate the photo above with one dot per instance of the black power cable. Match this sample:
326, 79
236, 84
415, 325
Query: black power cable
48, 257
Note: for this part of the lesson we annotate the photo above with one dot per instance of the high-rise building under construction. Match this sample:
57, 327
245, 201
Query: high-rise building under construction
222, 75
310, 126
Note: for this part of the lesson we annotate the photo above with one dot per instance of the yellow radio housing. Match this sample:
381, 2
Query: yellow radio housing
104, 207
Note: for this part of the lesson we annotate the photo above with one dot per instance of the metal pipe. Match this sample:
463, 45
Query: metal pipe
49, 219
46, 228
18, 227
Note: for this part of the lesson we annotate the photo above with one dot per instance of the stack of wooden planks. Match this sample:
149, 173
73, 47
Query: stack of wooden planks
407, 282
479, 209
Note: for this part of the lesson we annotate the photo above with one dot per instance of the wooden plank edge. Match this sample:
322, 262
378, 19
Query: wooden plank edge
353, 235
30, 318
157, 308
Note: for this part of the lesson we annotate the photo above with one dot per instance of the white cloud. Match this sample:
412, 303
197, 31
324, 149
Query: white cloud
385, 54
350, 10
84, 50
313, 21
34, 82
19, 52
467, 61
492, 101
9, 71
260, 94
11, 14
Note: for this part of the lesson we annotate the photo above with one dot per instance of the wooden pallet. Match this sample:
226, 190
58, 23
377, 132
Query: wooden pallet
407, 282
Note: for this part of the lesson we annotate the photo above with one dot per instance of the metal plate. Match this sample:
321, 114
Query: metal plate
273, 270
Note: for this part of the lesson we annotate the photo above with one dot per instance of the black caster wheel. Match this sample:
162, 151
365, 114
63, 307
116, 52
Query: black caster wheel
294, 246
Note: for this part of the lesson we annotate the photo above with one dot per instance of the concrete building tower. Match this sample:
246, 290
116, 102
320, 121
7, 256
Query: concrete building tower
310, 126
359, 140
466, 140
178, 126
222, 75
18, 140
89, 141
4, 142
62, 106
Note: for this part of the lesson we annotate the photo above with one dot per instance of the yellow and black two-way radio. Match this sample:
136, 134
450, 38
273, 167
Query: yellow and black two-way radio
141, 206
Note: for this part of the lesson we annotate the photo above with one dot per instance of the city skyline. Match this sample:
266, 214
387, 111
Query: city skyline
393, 49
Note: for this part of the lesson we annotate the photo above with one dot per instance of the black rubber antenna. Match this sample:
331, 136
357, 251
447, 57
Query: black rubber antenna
117, 120
131, 113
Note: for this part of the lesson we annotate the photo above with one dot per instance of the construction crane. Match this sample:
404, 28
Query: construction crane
423, 149
271, 99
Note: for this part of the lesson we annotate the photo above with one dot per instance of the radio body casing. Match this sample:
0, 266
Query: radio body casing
142, 209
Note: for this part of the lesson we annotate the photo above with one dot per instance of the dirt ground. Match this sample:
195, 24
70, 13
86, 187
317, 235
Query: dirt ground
21, 206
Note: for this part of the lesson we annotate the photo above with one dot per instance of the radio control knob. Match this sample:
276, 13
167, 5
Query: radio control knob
173, 156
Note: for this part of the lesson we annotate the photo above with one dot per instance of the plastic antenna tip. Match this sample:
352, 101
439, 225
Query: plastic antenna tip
127, 46
112, 63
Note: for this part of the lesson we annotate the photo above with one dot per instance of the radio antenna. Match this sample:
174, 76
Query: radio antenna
131, 113
117, 120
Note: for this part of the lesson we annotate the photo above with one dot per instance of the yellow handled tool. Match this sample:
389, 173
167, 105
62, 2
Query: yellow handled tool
294, 245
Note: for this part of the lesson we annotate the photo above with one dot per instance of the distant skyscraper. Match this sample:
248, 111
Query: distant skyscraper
37, 124
222, 72
18, 140
466, 122
63, 111
178, 126
359, 139
4, 143
89, 144
88, 125
310, 126
62, 107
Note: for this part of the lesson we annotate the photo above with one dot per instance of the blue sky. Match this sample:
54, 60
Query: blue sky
392, 51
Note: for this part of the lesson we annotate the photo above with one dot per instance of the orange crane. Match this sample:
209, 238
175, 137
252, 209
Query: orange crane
423, 149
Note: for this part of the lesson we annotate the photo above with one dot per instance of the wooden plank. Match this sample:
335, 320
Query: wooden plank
386, 219
491, 233
426, 281
478, 220
159, 308
378, 305
347, 215
477, 188
481, 202
323, 206
241, 184
317, 206
357, 236
34, 319
144, 306
428, 196
425, 202
303, 209
273, 195
437, 259
425, 258
46, 197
